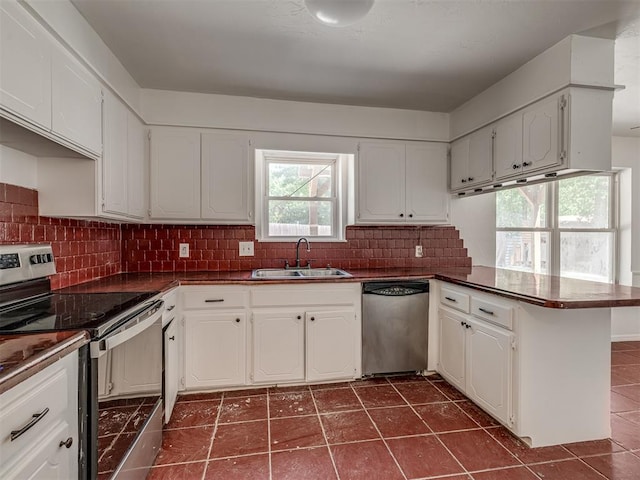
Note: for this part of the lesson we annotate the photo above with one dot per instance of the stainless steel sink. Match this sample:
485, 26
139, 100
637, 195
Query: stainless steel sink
298, 273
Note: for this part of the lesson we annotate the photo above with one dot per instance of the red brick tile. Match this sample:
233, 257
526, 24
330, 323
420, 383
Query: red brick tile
240, 439
184, 445
525, 454
243, 409
622, 403
445, 417
477, 450
194, 414
254, 467
618, 466
348, 427
336, 400
307, 464
566, 470
177, 472
423, 456
398, 422
365, 461
451, 392
379, 396
625, 433
296, 432
291, 404
421, 393
514, 473
593, 447
631, 392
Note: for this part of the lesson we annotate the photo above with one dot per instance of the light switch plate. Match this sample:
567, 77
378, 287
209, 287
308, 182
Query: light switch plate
184, 250
246, 249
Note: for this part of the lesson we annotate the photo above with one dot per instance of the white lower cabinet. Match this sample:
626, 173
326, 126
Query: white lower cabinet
475, 355
171, 369
215, 349
278, 346
330, 352
39, 424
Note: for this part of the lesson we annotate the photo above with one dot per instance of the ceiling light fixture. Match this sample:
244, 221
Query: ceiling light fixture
338, 13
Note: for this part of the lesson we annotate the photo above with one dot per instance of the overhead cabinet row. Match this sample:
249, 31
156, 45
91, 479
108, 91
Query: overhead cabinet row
45, 89
564, 132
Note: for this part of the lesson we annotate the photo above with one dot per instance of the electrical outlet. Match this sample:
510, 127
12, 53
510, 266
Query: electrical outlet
418, 251
183, 252
246, 249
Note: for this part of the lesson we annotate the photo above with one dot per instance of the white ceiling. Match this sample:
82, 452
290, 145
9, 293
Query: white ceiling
415, 54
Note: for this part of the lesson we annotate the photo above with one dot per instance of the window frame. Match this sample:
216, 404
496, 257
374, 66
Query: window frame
555, 232
338, 186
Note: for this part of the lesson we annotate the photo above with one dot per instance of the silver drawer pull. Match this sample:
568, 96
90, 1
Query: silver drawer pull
488, 312
170, 308
214, 300
451, 299
36, 418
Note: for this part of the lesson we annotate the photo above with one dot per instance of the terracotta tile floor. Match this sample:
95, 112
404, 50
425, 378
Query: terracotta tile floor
384, 429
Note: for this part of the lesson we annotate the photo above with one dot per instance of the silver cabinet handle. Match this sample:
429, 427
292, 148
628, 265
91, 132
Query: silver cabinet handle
214, 300
36, 417
451, 299
488, 312
170, 308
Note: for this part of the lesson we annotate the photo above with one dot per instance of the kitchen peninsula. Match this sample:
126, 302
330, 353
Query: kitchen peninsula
544, 366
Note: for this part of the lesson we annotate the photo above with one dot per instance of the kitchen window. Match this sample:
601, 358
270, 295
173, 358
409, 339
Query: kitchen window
300, 194
567, 227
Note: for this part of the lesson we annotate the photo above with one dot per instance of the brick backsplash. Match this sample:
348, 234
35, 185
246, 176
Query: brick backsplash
155, 248
84, 250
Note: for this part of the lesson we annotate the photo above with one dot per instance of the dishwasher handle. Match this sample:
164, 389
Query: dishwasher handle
395, 289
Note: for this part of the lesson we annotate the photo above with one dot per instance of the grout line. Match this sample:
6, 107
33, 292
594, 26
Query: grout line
324, 434
213, 436
380, 433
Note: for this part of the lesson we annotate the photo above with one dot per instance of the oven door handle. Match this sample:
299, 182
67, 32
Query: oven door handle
101, 347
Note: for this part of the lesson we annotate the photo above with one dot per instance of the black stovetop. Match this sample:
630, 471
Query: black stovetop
70, 311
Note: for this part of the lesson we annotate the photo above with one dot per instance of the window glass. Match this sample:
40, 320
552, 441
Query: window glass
300, 179
586, 255
584, 202
290, 218
527, 251
523, 207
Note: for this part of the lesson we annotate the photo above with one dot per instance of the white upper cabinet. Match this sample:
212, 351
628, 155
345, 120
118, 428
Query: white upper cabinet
25, 76
225, 172
200, 175
136, 140
507, 146
76, 99
426, 192
402, 183
175, 173
472, 160
541, 136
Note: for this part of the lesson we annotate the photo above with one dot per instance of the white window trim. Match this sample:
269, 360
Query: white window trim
339, 186
555, 231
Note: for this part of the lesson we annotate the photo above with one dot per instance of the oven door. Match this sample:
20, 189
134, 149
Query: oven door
127, 404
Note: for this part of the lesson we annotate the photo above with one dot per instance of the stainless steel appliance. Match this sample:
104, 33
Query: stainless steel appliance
120, 370
395, 321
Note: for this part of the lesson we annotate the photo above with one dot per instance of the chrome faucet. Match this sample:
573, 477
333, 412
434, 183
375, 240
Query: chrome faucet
300, 240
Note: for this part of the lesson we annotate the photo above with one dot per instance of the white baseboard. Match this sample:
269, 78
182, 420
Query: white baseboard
626, 338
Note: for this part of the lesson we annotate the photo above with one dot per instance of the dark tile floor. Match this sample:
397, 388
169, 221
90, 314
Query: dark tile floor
385, 429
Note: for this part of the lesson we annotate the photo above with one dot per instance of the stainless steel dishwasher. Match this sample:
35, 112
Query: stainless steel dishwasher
395, 319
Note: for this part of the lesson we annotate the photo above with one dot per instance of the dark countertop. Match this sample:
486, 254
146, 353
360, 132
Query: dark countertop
22, 356
542, 290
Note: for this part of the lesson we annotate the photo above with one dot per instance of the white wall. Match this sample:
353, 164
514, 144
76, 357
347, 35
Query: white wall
18, 168
475, 217
162, 107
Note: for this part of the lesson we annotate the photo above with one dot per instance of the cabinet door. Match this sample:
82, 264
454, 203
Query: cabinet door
331, 345
452, 347
459, 163
171, 368
136, 139
175, 173
488, 367
507, 146
114, 160
76, 102
215, 349
226, 179
47, 460
25, 76
381, 182
541, 135
278, 346
427, 200
480, 167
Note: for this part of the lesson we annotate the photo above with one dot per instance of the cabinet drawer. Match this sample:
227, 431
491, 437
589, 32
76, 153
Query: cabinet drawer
44, 396
214, 297
454, 299
492, 312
